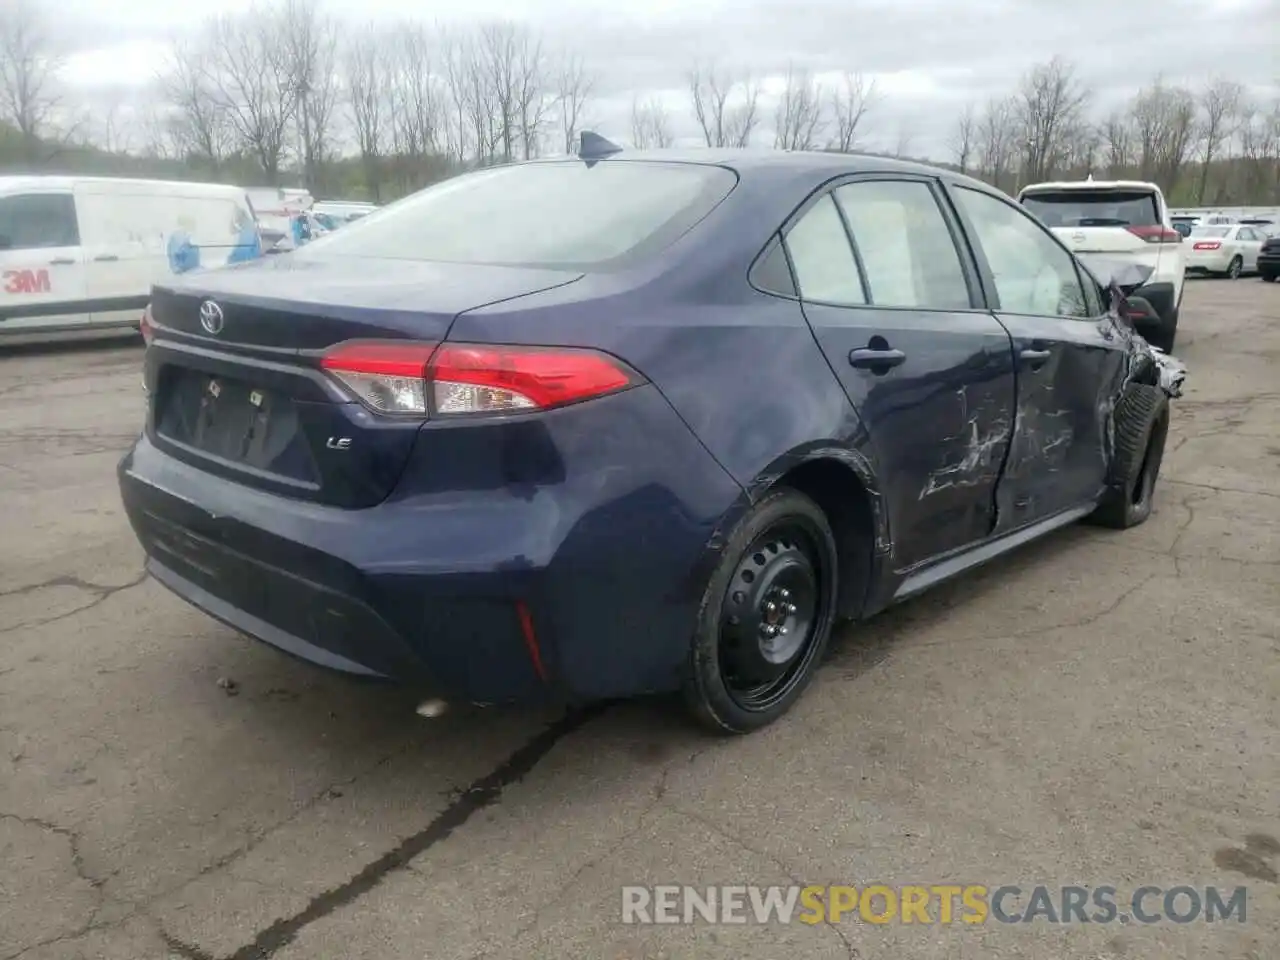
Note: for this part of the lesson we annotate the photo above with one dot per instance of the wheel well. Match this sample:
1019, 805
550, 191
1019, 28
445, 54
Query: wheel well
847, 504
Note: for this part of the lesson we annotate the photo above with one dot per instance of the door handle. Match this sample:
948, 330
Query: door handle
877, 361
1035, 358
106, 258
62, 262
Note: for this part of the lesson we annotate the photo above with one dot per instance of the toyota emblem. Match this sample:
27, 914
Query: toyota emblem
211, 317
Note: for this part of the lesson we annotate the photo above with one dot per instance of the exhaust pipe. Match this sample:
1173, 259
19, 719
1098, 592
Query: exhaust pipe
433, 708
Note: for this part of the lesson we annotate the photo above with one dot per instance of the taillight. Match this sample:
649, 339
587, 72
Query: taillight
145, 327
1156, 234
462, 378
387, 377
470, 378
1207, 245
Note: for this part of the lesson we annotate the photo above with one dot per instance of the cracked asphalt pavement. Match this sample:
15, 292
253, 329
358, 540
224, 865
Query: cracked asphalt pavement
1099, 708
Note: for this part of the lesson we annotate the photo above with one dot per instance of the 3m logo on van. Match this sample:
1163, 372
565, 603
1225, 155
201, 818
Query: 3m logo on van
25, 281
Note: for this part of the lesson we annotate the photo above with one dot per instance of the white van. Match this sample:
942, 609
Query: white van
83, 252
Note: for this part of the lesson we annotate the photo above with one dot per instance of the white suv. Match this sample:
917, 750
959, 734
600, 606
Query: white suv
1119, 219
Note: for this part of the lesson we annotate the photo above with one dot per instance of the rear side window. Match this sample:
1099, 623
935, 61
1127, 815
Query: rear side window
822, 257
906, 247
1094, 208
35, 221
553, 214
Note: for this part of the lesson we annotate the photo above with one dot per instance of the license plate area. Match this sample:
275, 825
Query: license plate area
233, 421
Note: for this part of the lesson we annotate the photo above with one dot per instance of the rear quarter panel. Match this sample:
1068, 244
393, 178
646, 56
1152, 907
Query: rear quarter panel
740, 367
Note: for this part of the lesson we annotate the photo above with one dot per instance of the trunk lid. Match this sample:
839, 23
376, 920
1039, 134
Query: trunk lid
240, 393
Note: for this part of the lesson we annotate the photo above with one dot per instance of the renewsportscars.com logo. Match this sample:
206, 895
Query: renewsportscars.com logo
966, 904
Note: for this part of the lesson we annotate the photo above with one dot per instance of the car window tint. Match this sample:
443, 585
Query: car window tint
907, 250
33, 221
565, 214
1103, 207
1033, 274
822, 257
773, 273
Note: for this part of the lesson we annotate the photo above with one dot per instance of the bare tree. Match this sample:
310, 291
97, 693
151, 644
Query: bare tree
574, 86
311, 43
197, 125
513, 80
1220, 104
457, 53
1118, 142
964, 138
1260, 148
1050, 104
251, 72
650, 125
417, 93
367, 91
29, 65
1164, 121
852, 97
998, 140
725, 107
799, 118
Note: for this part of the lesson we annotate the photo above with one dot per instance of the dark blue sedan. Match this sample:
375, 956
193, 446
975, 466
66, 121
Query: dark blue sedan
591, 428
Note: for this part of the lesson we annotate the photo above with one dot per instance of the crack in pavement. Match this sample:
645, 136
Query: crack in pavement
482, 793
103, 593
1216, 489
659, 793
81, 871
851, 951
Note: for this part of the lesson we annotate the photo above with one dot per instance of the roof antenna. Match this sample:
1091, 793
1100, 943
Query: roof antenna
592, 147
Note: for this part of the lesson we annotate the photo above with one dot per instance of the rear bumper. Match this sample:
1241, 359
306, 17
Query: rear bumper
1208, 262
584, 589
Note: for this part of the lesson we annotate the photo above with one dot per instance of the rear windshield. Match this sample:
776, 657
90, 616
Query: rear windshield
1210, 231
1094, 208
551, 214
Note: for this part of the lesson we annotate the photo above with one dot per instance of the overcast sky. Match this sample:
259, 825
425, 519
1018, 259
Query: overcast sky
928, 56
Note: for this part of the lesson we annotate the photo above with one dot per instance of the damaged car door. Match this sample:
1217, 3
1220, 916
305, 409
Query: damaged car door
1069, 354
896, 308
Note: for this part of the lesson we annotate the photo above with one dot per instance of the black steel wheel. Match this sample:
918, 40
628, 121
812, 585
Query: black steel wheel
766, 616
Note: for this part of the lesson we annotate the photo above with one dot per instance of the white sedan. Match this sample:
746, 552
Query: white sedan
1226, 251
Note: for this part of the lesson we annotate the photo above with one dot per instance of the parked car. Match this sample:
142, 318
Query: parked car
1269, 259
82, 252
1185, 223
1096, 218
633, 423
1229, 251
342, 211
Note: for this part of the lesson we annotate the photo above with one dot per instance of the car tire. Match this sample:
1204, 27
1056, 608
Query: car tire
1141, 420
766, 616
1234, 268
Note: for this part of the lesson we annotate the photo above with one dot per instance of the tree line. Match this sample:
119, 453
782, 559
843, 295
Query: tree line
286, 93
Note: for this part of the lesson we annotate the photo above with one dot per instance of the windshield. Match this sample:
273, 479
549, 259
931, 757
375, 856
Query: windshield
1093, 208
1210, 231
565, 214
